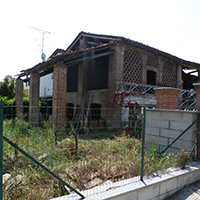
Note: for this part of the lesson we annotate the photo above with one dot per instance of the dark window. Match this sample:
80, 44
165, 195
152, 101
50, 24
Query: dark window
95, 111
98, 73
70, 111
151, 77
72, 78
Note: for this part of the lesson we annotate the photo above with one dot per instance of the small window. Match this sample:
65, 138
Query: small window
151, 77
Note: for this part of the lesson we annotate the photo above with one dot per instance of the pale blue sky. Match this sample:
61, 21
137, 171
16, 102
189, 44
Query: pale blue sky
172, 26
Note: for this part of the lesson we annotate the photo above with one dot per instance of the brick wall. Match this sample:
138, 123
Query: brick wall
34, 98
19, 98
197, 87
115, 74
166, 98
59, 96
168, 72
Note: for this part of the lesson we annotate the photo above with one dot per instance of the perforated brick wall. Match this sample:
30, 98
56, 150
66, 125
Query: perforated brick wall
153, 61
132, 66
169, 74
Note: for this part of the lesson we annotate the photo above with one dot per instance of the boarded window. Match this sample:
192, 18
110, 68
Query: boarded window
72, 78
98, 73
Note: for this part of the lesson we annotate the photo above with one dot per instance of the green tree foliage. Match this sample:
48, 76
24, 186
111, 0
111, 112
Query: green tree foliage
7, 87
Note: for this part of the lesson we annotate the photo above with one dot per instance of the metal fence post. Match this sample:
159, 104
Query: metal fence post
143, 144
1, 150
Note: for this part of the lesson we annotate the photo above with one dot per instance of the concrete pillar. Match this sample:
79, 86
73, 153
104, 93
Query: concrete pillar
19, 98
166, 98
59, 96
34, 99
197, 88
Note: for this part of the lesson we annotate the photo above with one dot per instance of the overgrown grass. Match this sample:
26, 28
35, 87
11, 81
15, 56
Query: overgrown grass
106, 155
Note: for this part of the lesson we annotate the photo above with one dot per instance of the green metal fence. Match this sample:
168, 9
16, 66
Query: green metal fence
88, 153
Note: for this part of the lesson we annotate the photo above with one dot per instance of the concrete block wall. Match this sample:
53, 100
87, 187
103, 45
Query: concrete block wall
163, 126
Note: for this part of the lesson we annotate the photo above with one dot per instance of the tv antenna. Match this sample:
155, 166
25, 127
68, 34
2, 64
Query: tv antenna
43, 56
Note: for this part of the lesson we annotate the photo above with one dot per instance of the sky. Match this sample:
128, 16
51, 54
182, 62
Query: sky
172, 26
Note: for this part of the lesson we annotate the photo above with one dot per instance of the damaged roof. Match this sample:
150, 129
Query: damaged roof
186, 64
69, 56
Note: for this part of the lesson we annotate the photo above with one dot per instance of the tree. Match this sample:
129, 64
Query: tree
7, 87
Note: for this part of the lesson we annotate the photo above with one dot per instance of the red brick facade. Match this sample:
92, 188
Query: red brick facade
59, 96
115, 74
197, 87
34, 98
19, 98
166, 98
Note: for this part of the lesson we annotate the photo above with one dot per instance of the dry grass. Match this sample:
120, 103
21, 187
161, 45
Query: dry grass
105, 155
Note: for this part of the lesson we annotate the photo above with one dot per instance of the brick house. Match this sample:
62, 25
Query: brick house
87, 72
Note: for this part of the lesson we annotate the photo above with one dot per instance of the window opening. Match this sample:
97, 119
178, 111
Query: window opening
151, 77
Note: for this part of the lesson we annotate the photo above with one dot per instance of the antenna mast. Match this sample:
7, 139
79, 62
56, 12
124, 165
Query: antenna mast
43, 56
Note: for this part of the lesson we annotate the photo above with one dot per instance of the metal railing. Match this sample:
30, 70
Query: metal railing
187, 100
145, 95
142, 94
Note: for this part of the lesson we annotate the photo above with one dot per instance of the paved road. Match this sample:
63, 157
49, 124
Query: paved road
190, 192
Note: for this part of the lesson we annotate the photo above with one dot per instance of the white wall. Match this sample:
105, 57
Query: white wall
46, 86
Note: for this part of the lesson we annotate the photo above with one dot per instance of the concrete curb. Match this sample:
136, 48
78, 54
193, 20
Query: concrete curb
155, 188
